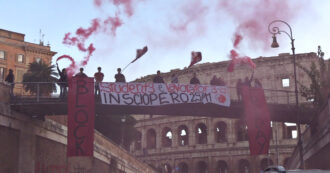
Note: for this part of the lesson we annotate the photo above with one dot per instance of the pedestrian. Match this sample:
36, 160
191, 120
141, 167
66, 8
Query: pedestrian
10, 79
63, 81
194, 79
98, 79
238, 89
174, 78
158, 78
81, 73
119, 76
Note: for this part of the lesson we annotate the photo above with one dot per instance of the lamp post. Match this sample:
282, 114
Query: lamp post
274, 30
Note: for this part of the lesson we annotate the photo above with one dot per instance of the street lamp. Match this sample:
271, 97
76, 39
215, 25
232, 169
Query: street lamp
274, 30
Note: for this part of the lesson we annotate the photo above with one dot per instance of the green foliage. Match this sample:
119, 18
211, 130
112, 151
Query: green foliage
40, 72
115, 129
317, 90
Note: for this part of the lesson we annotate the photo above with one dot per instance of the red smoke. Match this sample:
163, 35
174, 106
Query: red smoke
128, 5
253, 18
71, 69
81, 35
194, 12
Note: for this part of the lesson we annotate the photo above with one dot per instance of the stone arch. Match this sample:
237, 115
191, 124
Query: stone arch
241, 132
265, 162
201, 133
167, 137
201, 167
221, 167
151, 138
183, 167
164, 168
138, 141
220, 132
244, 166
183, 138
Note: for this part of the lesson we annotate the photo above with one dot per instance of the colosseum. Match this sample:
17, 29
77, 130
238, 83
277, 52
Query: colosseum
198, 144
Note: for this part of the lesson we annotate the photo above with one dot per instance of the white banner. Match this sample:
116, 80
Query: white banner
155, 94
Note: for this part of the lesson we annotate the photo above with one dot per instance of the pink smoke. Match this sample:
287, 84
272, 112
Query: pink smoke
81, 35
71, 69
128, 5
193, 12
253, 22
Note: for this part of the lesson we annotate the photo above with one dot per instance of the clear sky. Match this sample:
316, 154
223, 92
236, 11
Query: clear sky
170, 28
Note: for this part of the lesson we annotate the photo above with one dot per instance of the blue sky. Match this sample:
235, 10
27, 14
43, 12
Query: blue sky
210, 32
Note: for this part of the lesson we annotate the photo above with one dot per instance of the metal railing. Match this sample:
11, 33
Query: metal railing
39, 94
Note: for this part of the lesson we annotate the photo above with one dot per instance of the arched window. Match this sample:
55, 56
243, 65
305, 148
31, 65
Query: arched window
220, 132
167, 137
222, 167
286, 163
265, 163
183, 135
244, 166
151, 139
138, 141
183, 167
201, 134
241, 131
201, 167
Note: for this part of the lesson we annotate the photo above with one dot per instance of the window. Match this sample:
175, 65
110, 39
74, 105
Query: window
19, 76
220, 131
167, 137
183, 135
20, 58
2, 54
151, 139
201, 134
285, 82
2, 73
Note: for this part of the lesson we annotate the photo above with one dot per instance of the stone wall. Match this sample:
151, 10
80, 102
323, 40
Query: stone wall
232, 152
31, 145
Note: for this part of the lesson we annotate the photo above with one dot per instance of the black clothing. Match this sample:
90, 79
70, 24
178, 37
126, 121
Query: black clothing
158, 79
63, 77
10, 78
194, 80
120, 77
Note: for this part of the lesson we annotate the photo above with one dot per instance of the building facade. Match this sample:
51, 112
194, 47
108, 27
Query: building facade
17, 54
187, 144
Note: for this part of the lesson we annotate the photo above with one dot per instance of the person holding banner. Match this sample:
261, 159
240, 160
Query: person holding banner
158, 78
119, 76
63, 81
194, 80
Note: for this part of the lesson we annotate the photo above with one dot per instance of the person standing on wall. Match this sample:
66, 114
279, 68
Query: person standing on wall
10, 79
194, 79
98, 79
158, 78
119, 76
63, 81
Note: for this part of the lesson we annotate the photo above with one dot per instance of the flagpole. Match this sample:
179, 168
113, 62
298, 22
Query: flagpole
126, 66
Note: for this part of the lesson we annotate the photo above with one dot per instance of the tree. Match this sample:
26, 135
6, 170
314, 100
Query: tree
40, 72
320, 84
113, 127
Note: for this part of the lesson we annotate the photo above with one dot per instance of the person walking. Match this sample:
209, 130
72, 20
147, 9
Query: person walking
10, 79
98, 79
63, 81
119, 76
